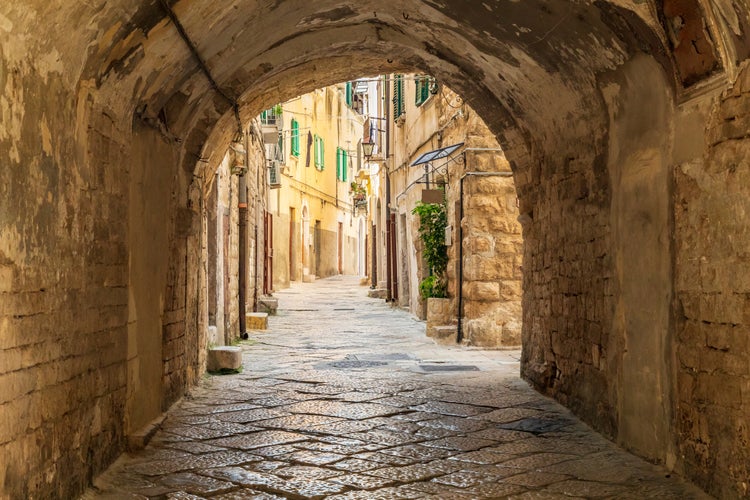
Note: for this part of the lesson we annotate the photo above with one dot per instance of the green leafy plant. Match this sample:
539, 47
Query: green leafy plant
432, 286
433, 220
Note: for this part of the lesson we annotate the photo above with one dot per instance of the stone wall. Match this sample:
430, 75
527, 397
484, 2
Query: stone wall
63, 283
712, 288
105, 114
492, 262
492, 240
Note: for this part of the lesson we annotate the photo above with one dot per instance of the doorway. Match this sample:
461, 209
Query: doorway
292, 233
268, 254
340, 266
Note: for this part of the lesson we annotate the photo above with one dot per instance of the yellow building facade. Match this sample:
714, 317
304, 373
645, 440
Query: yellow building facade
312, 225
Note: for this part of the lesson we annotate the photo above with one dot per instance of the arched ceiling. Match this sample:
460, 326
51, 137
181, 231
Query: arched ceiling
530, 67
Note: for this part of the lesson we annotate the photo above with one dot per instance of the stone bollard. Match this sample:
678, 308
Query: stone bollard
269, 305
224, 358
256, 321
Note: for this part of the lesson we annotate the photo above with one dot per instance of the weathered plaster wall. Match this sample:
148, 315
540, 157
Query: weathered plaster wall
63, 279
640, 335
148, 221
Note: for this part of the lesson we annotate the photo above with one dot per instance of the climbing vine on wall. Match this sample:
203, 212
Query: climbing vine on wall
432, 223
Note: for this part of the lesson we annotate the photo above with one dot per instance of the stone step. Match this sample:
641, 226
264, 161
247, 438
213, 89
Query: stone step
378, 293
268, 305
224, 358
256, 321
443, 334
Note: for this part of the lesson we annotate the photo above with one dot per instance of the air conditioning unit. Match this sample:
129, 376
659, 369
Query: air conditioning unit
274, 178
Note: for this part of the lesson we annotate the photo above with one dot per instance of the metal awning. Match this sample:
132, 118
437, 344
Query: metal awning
436, 154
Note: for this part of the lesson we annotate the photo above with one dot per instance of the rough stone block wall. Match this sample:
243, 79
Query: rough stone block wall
568, 295
174, 341
492, 262
712, 290
63, 286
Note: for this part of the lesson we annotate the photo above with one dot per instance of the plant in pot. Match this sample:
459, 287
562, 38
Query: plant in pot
359, 193
434, 288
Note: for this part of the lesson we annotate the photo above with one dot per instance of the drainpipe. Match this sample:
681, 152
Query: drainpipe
243, 253
258, 208
388, 234
459, 326
374, 257
394, 270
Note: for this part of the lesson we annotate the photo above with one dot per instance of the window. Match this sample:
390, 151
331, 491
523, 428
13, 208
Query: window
319, 153
348, 94
271, 116
342, 166
398, 96
295, 138
422, 89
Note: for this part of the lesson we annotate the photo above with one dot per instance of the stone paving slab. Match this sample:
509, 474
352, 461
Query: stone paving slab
333, 403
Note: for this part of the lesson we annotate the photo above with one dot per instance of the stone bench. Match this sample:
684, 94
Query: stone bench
224, 358
256, 321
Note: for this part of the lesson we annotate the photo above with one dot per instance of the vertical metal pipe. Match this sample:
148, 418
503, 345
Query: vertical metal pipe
242, 203
460, 284
394, 267
258, 207
389, 235
388, 270
242, 264
374, 256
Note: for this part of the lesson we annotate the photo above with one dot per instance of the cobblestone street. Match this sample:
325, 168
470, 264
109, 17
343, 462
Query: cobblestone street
344, 397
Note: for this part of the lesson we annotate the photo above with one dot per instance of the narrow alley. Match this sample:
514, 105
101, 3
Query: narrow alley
344, 397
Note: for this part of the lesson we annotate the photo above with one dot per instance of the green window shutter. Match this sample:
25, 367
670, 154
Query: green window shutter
264, 116
344, 166
422, 89
295, 138
349, 94
338, 164
316, 151
398, 96
319, 153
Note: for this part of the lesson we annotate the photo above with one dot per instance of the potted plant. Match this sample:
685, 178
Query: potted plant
359, 194
434, 288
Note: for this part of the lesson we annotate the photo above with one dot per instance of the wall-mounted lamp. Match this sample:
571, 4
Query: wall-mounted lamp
367, 148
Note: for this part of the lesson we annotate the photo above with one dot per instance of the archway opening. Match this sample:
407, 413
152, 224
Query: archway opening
122, 120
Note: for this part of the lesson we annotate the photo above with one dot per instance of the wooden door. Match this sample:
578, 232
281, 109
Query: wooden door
268, 253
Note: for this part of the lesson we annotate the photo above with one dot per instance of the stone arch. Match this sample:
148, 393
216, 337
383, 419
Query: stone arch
113, 122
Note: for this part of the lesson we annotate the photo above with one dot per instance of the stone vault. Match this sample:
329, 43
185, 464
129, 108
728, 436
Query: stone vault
625, 122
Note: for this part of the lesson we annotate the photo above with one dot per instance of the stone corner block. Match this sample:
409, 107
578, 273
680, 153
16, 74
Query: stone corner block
256, 321
224, 358
443, 334
140, 438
